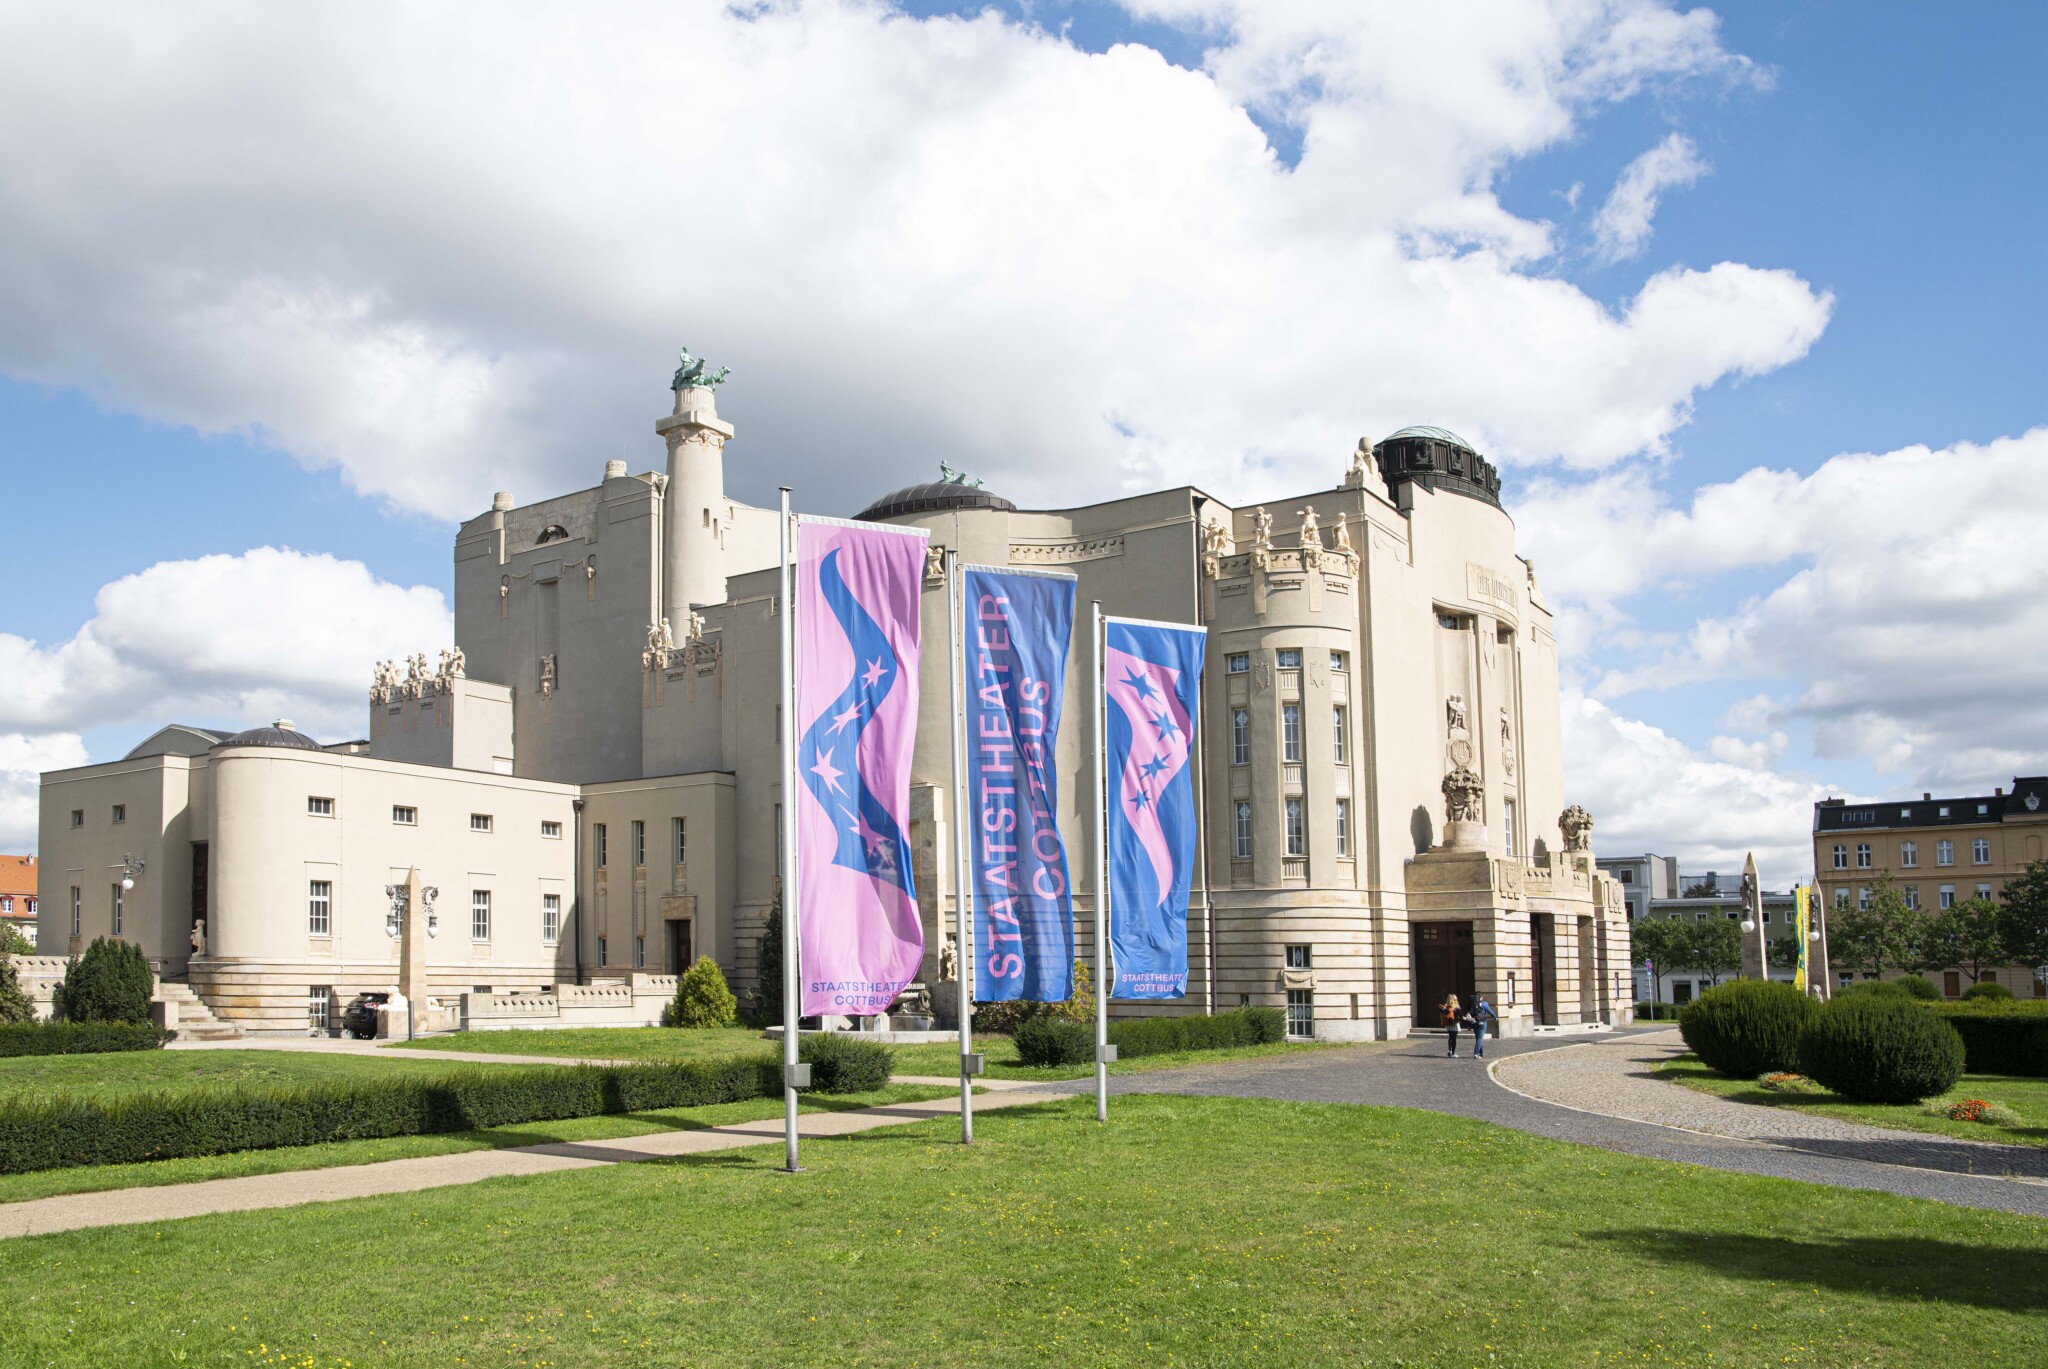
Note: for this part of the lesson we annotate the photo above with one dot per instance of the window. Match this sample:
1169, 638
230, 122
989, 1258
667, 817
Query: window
1237, 663
639, 843
1507, 826
319, 1008
1289, 657
1980, 851
1841, 856
1943, 810
550, 918
1343, 827
480, 822
78, 817
480, 915
598, 839
1340, 661
6, 903
1944, 853
639, 952
320, 908
1625, 876
1337, 732
1948, 895
1240, 736
115, 904
1951, 984
319, 807
1863, 898
601, 958
681, 834
1301, 1013
551, 830
1300, 958
120, 812
75, 901
1912, 892
1242, 831
405, 815
1863, 855
1450, 621
1983, 891
1905, 813
1297, 836
1630, 904
1290, 733
1909, 854
1841, 898
1982, 809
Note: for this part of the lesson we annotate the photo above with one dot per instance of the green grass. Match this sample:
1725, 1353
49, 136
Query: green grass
16, 1188
124, 1072
940, 1058
2027, 1097
1206, 1231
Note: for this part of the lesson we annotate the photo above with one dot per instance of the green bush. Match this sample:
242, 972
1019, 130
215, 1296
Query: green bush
702, 998
1987, 993
1140, 1036
1748, 1027
13, 942
78, 1038
1875, 988
2000, 1037
1914, 986
845, 1064
1050, 1040
110, 983
1881, 1050
15, 1004
1658, 1012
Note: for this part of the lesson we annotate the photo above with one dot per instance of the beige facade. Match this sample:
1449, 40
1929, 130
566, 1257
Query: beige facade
616, 675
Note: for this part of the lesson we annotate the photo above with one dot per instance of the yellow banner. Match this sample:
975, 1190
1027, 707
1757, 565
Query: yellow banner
1800, 919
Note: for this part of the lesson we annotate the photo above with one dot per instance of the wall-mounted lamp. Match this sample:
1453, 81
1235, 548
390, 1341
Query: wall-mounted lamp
131, 870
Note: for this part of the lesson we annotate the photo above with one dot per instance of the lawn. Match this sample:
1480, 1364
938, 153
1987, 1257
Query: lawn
123, 1072
940, 1058
1187, 1231
2027, 1097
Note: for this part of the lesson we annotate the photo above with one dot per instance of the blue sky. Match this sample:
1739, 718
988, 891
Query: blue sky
273, 331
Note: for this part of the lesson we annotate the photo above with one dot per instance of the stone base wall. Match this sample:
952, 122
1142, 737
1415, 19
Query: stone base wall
271, 996
635, 1001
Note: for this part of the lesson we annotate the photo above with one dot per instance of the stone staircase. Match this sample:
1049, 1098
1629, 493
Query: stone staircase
196, 1021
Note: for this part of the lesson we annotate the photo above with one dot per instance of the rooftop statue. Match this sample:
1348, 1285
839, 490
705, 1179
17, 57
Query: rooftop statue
691, 375
949, 476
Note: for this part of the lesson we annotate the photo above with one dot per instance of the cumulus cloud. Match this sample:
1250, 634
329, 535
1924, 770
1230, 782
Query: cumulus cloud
1621, 228
22, 762
448, 249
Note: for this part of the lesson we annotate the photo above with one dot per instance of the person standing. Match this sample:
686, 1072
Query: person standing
1452, 1012
1482, 1013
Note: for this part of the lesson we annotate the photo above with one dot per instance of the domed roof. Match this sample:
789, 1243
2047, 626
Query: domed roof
1434, 435
279, 733
934, 496
1438, 459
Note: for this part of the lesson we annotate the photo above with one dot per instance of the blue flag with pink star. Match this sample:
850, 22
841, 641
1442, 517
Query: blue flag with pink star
1152, 676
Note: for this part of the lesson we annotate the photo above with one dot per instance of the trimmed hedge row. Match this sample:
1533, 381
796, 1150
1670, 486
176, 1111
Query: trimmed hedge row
79, 1038
1054, 1041
2001, 1038
1658, 1012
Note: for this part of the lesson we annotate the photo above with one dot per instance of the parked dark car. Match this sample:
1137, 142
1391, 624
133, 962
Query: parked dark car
359, 1018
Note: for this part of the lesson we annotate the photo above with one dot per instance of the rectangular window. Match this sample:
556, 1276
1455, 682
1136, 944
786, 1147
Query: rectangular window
1240, 736
550, 918
120, 812
1237, 663
480, 915
601, 957
1300, 958
115, 905
1290, 732
1980, 851
1340, 661
1912, 892
1948, 895
75, 901
1909, 854
639, 843
320, 908
639, 952
319, 807
1983, 891
1944, 810
405, 815
319, 1008
598, 842
1507, 826
1863, 897
1841, 898
1944, 853
1841, 856
551, 830
1983, 809
78, 817
480, 822
1337, 731
681, 834
1343, 827
1301, 1013
1863, 855
1904, 814
1289, 657
1951, 983
1297, 835
1243, 830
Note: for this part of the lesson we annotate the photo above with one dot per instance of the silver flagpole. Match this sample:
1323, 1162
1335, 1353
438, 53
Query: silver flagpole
1097, 700
791, 1071
963, 866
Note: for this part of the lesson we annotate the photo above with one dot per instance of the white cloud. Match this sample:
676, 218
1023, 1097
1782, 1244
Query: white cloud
1622, 226
22, 762
233, 640
448, 249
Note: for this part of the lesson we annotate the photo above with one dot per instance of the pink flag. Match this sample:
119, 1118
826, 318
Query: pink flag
857, 601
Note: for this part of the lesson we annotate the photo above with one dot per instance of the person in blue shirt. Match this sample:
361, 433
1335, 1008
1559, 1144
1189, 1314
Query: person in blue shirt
1482, 1013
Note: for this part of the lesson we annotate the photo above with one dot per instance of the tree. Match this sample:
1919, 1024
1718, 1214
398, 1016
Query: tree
1783, 951
765, 1001
110, 983
1885, 936
1966, 935
1712, 947
15, 1004
702, 999
12, 942
1656, 942
2023, 916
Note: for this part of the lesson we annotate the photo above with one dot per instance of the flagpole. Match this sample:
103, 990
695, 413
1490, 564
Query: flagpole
1100, 802
962, 863
790, 979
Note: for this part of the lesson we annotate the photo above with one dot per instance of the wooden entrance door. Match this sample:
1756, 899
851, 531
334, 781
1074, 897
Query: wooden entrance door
1441, 953
1543, 955
676, 954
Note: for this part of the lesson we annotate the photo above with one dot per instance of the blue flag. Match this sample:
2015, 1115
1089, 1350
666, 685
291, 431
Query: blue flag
1017, 627
1152, 675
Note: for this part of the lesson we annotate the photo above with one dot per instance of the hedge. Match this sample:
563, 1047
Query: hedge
2001, 1038
1658, 1012
58, 1132
79, 1038
1055, 1041
1876, 1048
1748, 1027
844, 1064
1139, 1036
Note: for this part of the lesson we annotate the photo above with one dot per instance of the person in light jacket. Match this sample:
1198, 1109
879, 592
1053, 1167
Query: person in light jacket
1452, 1013
1482, 1014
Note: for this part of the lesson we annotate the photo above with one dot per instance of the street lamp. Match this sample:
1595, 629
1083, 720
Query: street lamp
131, 869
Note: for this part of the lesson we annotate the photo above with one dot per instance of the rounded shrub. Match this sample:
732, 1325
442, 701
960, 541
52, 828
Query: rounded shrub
1914, 986
1054, 1041
1748, 1027
111, 982
1880, 1049
702, 998
1993, 993
845, 1064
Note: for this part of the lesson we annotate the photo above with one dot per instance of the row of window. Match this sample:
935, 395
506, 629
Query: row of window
1947, 895
320, 913
679, 834
1290, 734
1286, 658
1909, 854
7, 904
1293, 826
118, 813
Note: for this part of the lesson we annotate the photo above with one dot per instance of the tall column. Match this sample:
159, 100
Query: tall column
693, 522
